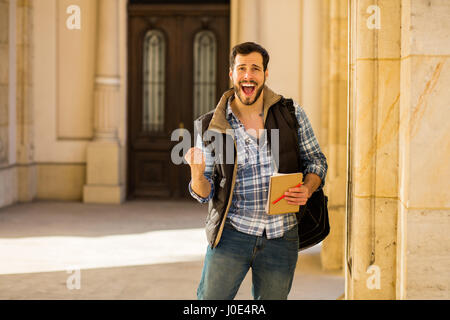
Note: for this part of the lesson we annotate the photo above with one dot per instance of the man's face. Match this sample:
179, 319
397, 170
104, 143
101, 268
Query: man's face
248, 77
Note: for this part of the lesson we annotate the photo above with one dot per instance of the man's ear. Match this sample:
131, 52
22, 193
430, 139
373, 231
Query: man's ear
266, 73
231, 74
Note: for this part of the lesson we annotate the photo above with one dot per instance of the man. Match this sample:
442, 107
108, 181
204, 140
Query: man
240, 233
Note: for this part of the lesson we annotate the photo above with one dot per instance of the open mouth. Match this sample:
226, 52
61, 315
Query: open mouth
248, 88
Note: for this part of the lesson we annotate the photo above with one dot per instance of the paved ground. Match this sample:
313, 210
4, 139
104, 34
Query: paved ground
138, 250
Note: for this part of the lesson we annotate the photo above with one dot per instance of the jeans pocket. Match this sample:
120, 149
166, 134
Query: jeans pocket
291, 234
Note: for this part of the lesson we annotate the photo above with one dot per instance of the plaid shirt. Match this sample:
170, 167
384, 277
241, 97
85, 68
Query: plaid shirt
247, 210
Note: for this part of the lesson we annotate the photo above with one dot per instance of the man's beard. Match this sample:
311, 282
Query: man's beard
244, 100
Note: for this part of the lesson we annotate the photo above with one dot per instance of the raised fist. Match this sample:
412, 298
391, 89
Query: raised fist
196, 159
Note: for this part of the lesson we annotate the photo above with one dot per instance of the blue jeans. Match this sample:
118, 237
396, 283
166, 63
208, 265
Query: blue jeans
272, 261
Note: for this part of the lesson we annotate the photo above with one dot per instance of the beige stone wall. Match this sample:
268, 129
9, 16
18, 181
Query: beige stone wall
311, 26
75, 69
17, 167
67, 181
55, 147
8, 186
251, 21
64, 95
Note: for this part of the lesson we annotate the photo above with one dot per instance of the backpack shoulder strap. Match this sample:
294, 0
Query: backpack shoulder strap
292, 120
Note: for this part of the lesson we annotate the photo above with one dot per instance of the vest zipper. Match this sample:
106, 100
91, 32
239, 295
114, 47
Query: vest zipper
230, 197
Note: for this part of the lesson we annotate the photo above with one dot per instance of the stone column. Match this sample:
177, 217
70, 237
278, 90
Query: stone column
4, 84
311, 46
334, 126
8, 179
104, 181
423, 268
26, 168
398, 202
373, 191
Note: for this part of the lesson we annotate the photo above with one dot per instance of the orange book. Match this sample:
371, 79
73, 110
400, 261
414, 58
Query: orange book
279, 184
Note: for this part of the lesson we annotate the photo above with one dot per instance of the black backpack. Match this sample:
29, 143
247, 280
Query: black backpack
313, 222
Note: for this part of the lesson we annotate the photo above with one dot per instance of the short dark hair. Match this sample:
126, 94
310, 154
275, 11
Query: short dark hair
247, 48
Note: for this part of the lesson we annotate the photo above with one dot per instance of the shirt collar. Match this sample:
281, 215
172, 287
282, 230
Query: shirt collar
229, 112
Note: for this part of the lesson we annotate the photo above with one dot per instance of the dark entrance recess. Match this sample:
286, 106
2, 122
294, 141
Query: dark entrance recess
177, 69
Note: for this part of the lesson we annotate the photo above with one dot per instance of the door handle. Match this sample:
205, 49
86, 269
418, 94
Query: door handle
181, 126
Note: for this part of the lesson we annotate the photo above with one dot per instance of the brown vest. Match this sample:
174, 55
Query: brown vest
280, 115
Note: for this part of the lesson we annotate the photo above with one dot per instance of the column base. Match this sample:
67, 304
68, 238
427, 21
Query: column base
26, 182
103, 178
104, 194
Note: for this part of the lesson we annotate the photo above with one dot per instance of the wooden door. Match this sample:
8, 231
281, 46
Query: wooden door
177, 69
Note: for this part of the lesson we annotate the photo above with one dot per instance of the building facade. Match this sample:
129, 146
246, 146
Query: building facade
91, 92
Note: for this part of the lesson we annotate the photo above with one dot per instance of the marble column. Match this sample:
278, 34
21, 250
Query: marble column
373, 180
26, 168
4, 82
398, 244
423, 268
104, 181
8, 174
334, 125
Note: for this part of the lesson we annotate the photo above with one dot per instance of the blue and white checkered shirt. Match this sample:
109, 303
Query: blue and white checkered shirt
247, 211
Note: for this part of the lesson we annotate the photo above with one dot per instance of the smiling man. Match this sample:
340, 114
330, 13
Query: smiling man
240, 233
248, 71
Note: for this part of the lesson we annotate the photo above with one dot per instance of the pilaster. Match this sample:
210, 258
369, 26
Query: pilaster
372, 203
334, 126
104, 156
26, 168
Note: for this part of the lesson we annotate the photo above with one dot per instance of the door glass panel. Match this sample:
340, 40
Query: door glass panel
205, 50
154, 81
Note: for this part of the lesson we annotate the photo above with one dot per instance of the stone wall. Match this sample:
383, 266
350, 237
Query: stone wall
17, 169
248, 23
